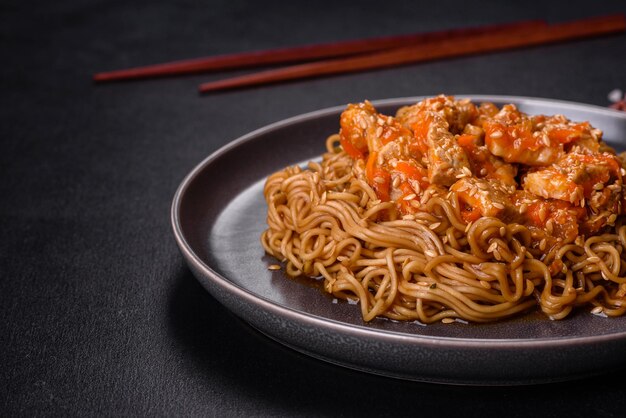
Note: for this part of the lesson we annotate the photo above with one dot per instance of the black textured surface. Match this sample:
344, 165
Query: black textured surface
98, 314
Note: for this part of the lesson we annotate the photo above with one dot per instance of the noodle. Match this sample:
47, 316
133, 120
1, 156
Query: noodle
418, 257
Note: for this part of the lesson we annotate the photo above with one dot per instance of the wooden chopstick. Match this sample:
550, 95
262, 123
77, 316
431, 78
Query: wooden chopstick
301, 53
443, 48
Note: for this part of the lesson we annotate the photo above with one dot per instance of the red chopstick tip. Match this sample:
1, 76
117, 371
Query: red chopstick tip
111, 76
218, 85
122, 75
100, 77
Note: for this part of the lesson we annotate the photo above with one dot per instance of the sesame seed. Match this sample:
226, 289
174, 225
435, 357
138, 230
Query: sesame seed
502, 231
410, 196
430, 253
542, 213
597, 310
379, 180
496, 134
274, 267
492, 247
542, 244
434, 226
447, 320
416, 186
485, 284
379, 131
498, 205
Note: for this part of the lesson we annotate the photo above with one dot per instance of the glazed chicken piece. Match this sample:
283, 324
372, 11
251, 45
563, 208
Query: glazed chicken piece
574, 177
409, 180
555, 220
590, 182
383, 143
458, 113
577, 137
446, 159
537, 140
510, 135
482, 162
480, 197
396, 176
419, 131
364, 130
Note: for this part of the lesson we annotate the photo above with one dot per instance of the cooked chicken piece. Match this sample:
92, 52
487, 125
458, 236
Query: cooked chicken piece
458, 113
574, 177
537, 140
364, 130
406, 176
555, 220
510, 135
481, 197
446, 159
483, 163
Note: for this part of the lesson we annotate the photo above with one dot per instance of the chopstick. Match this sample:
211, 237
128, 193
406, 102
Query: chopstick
301, 53
515, 37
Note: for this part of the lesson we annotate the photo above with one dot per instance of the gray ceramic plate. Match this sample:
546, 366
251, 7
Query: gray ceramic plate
218, 214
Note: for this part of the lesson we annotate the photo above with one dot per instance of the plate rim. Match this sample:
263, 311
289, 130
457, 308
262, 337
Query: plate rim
361, 331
